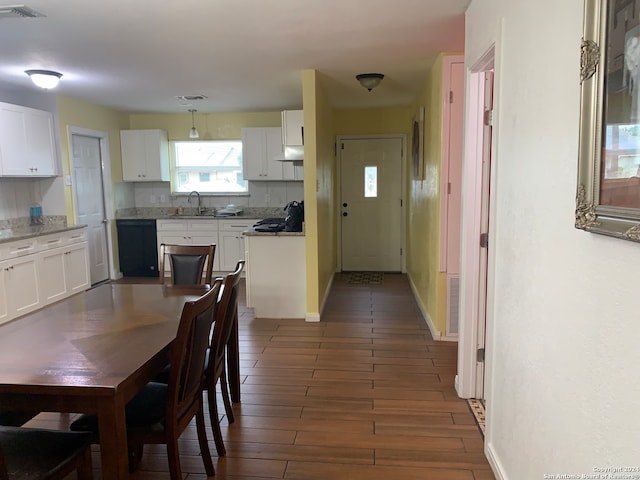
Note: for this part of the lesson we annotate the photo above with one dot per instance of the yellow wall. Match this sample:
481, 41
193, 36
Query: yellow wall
211, 126
373, 121
423, 236
77, 113
319, 190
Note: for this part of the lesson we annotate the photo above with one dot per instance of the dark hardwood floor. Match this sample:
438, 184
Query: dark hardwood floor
363, 394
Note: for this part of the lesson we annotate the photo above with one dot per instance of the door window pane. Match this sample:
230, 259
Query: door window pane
371, 181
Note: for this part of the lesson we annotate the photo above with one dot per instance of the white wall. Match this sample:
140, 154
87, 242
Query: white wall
564, 350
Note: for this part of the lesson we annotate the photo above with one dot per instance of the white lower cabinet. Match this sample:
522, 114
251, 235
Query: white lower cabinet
42, 270
188, 232
232, 242
21, 286
63, 272
226, 234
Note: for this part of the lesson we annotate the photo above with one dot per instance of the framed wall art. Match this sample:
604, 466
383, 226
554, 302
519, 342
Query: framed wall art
417, 145
608, 187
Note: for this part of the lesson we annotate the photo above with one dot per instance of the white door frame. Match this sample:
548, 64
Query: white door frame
403, 179
103, 137
470, 284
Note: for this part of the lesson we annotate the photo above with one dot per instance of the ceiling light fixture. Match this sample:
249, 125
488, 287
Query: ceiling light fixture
193, 133
44, 78
369, 80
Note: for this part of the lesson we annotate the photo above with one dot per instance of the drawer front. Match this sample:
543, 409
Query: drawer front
238, 225
208, 225
47, 242
24, 247
75, 236
172, 225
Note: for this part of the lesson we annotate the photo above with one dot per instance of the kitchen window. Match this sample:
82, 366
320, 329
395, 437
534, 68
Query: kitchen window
213, 166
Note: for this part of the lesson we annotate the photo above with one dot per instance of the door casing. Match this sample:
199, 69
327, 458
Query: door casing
106, 187
470, 286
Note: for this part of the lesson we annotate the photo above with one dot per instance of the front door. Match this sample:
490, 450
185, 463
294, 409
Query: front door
90, 208
371, 204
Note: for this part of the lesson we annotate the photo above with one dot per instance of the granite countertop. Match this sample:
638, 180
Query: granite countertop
172, 216
20, 233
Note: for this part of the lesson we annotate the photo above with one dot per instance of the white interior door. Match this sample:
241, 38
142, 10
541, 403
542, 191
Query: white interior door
484, 229
90, 207
371, 204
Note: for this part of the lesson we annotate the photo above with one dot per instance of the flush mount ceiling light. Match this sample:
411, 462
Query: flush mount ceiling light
369, 80
193, 133
44, 78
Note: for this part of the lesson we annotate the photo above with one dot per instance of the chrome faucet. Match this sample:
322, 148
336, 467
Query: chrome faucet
200, 209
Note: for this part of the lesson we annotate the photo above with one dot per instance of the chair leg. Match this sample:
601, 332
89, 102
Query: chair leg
173, 455
204, 444
215, 420
224, 388
85, 470
135, 455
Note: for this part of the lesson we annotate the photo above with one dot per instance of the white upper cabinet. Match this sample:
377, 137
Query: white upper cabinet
27, 142
261, 147
145, 155
292, 127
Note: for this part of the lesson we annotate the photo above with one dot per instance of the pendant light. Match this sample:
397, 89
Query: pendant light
193, 133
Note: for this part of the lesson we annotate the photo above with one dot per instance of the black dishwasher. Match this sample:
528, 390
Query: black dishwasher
138, 248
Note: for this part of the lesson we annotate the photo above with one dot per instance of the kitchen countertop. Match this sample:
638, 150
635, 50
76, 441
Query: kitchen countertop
20, 233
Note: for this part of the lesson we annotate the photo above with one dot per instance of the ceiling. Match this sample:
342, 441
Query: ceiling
243, 55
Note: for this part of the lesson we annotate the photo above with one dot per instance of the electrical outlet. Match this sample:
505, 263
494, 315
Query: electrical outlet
67, 180
163, 198
152, 199
267, 198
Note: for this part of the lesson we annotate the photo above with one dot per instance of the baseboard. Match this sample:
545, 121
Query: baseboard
432, 328
449, 338
492, 458
312, 317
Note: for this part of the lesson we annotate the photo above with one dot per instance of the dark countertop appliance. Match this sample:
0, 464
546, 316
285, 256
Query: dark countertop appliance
137, 246
269, 225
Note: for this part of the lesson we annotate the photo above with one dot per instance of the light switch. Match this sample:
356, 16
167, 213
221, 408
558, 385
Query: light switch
67, 180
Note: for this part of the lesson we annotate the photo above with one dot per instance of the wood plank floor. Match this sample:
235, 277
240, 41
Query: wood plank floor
363, 394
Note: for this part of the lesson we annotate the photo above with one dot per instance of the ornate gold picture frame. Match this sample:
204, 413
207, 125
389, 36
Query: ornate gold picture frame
608, 190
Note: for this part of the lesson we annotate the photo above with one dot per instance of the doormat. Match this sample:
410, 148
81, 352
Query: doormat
366, 277
477, 408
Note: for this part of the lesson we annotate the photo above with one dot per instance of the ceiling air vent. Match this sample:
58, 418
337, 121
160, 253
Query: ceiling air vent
191, 97
18, 11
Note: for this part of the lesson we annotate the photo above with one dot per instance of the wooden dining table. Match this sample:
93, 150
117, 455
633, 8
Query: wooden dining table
93, 352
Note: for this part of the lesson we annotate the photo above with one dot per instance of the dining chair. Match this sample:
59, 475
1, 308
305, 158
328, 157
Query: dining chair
226, 318
161, 412
36, 454
187, 263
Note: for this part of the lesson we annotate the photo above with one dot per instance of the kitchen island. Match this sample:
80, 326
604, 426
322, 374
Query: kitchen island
276, 274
